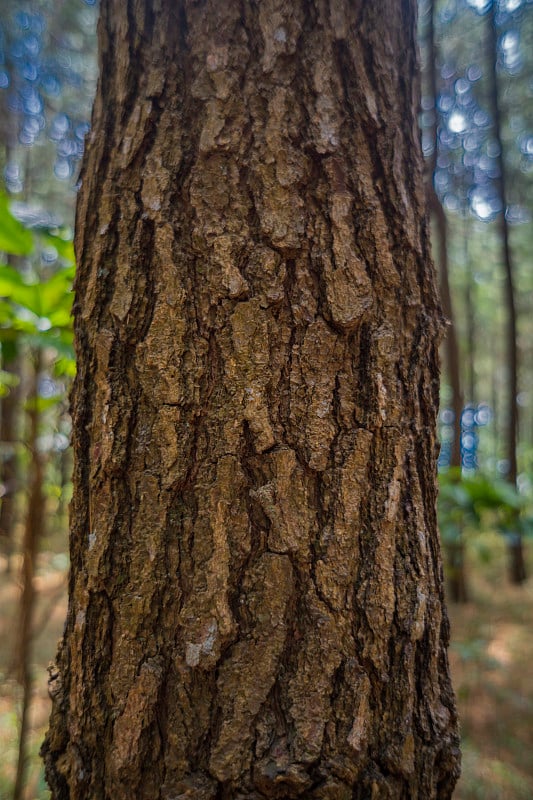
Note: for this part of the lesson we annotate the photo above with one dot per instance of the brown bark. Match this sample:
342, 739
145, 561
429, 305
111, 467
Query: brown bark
517, 564
256, 604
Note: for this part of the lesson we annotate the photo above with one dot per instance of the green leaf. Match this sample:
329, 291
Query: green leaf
29, 297
64, 247
43, 299
61, 318
17, 326
55, 293
59, 338
7, 314
41, 404
10, 279
14, 237
64, 367
8, 380
9, 349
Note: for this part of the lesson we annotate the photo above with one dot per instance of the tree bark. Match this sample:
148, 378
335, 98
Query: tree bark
256, 597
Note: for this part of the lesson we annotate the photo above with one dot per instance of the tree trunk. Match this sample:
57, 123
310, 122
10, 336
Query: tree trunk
451, 345
33, 534
456, 569
256, 601
9, 404
510, 302
9, 441
517, 568
470, 312
455, 551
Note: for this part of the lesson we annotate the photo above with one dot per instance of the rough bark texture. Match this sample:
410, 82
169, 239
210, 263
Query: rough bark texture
256, 602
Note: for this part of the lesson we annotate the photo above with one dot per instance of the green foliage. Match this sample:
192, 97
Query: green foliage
41, 404
477, 501
48, 301
35, 309
14, 237
7, 381
456, 507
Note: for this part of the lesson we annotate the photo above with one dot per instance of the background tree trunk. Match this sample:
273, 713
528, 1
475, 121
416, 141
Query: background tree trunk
9, 442
451, 344
256, 599
517, 563
455, 551
470, 311
9, 404
34, 529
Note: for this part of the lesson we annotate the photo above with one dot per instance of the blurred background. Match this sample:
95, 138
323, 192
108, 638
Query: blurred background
477, 136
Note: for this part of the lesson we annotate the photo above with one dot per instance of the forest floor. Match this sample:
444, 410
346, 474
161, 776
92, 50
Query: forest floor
491, 657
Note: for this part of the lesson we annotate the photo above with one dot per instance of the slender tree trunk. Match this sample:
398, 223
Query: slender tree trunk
10, 402
65, 473
256, 602
455, 551
495, 395
33, 532
517, 568
451, 345
470, 310
9, 441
